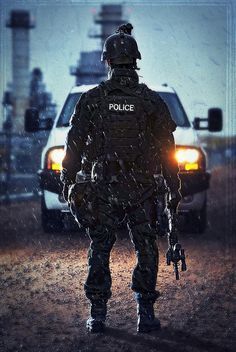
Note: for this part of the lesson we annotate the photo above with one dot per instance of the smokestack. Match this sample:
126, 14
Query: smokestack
110, 18
90, 70
20, 22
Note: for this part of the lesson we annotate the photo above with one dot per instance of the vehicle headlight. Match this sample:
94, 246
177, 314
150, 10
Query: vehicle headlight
55, 157
189, 159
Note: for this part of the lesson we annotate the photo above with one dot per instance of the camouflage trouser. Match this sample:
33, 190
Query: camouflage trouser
107, 206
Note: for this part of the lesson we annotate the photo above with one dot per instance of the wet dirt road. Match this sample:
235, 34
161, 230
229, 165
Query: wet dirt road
42, 303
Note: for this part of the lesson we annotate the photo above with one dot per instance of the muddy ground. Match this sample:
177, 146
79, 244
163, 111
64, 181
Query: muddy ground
42, 303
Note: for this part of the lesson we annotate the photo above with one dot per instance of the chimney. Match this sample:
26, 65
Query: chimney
20, 23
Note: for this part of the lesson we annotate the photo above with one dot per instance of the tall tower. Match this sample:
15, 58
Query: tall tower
20, 23
110, 18
89, 69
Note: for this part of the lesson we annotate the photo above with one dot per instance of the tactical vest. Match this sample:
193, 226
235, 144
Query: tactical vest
122, 128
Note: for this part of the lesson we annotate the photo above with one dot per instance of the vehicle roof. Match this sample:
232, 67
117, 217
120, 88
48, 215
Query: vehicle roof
85, 87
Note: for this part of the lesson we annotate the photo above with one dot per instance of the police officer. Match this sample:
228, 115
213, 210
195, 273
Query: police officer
121, 135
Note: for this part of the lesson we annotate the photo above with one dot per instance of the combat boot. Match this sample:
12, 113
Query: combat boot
96, 321
146, 317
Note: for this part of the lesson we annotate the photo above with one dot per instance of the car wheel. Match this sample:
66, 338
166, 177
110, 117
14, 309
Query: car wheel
52, 220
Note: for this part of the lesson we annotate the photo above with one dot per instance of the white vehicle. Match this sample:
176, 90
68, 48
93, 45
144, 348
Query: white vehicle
191, 157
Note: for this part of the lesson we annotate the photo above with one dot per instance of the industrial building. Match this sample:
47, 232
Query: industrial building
89, 69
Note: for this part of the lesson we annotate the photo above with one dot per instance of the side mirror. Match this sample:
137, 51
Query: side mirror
31, 120
197, 123
215, 120
33, 123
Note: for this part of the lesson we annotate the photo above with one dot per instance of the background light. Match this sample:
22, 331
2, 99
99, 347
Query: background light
189, 155
55, 158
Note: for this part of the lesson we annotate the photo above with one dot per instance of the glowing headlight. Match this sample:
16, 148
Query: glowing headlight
188, 158
54, 160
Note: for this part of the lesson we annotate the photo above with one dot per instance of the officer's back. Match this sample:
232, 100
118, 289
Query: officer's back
120, 136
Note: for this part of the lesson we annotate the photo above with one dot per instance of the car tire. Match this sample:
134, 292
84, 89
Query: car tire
51, 220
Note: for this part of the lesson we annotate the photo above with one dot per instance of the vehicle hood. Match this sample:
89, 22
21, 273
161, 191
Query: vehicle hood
57, 136
186, 136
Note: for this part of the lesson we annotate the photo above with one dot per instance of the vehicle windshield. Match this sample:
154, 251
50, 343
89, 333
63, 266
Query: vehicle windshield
68, 109
171, 99
176, 109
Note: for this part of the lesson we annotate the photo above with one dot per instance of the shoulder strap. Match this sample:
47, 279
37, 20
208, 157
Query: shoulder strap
103, 89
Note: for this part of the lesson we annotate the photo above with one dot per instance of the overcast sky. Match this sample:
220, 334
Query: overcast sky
183, 45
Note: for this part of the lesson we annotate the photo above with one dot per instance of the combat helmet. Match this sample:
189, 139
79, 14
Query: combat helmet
121, 47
